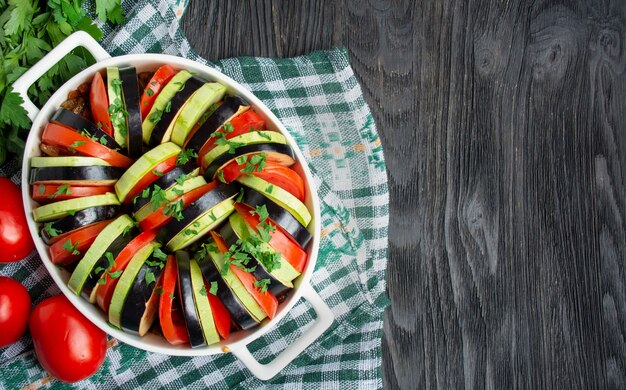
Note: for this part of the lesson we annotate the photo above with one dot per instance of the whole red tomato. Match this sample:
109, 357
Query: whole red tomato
14, 310
15, 239
67, 345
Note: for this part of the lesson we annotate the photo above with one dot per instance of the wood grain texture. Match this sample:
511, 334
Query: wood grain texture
504, 129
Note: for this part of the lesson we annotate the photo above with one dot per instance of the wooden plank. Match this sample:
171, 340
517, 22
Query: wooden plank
504, 129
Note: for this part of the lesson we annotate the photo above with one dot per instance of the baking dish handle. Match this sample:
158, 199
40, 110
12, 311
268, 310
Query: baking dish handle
324, 319
79, 38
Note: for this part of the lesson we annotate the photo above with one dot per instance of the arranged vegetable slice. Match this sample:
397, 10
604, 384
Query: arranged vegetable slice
142, 303
160, 103
198, 103
199, 208
272, 152
63, 208
266, 300
158, 81
232, 106
241, 124
281, 217
221, 316
239, 314
283, 177
166, 181
73, 246
85, 176
106, 289
56, 230
117, 110
126, 282
61, 136
185, 292
46, 193
145, 165
203, 307
99, 102
67, 161
170, 312
247, 139
169, 194
130, 90
278, 196
97, 250
83, 126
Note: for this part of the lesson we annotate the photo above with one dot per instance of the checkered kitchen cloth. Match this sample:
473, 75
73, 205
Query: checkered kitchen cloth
319, 100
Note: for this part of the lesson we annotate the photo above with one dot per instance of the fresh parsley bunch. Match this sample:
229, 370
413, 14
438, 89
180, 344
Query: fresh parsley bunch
28, 30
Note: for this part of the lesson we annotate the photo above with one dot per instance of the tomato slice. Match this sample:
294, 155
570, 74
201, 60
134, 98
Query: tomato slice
170, 316
45, 193
57, 135
242, 124
160, 78
274, 173
158, 219
266, 300
82, 238
105, 291
150, 177
100, 104
221, 316
291, 251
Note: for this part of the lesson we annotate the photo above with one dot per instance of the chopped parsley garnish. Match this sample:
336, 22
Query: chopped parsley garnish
174, 210
213, 288
203, 291
269, 189
255, 163
182, 178
168, 106
52, 232
71, 212
155, 116
262, 284
103, 141
42, 189
220, 176
149, 92
150, 278
157, 173
71, 248
159, 254
63, 189
264, 135
240, 196
76, 144
185, 156
228, 127
157, 198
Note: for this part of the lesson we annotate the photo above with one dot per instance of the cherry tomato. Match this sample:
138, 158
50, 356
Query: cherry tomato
67, 345
14, 310
161, 77
15, 239
100, 104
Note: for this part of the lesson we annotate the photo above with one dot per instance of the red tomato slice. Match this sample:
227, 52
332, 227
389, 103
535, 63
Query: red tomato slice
43, 193
160, 78
150, 178
242, 124
100, 104
158, 219
274, 173
170, 316
292, 252
82, 238
105, 291
266, 300
57, 135
221, 316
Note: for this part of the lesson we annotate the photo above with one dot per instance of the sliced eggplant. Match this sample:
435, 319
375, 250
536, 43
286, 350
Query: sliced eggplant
85, 127
260, 272
130, 89
185, 292
142, 303
91, 284
207, 201
279, 215
94, 175
240, 315
276, 150
163, 182
171, 109
232, 106
80, 219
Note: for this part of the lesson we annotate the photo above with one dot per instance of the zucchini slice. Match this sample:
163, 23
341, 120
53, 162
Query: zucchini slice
232, 107
170, 194
63, 208
67, 161
97, 250
194, 108
142, 166
130, 89
279, 215
116, 106
205, 313
279, 196
126, 282
79, 220
83, 126
251, 138
185, 292
160, 103
84, 175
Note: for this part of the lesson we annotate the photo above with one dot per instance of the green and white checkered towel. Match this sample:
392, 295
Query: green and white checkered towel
320, 102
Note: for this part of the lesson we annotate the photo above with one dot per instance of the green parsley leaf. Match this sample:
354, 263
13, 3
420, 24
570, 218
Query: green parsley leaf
185, 156
228, 127
264, 135
103, 141
213, 289
157, 198
203, 291
76, 144
116, 274
174, 210
150, 278
262, 284
71, 212
52, 232
42, 189
220, 176
71, 248
63, 189
159, 254
149, 92
157, 173
269, 189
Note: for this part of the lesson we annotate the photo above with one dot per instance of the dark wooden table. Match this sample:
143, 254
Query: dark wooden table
504, 130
